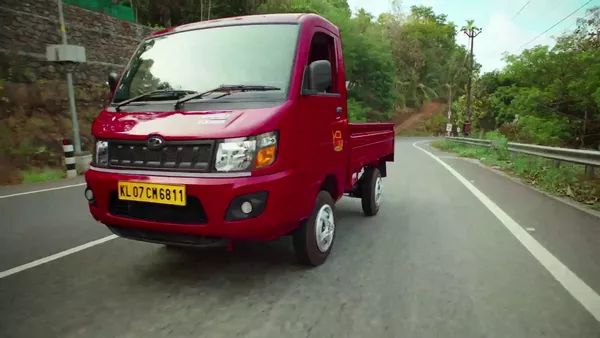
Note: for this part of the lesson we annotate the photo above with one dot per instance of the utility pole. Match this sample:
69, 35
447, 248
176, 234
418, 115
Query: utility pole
449, 123
472, 32
70, 90
449, 102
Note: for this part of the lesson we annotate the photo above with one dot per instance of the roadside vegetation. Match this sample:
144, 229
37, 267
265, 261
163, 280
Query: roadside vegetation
547, 96
544, 95
567, 180
34, 119
41, 175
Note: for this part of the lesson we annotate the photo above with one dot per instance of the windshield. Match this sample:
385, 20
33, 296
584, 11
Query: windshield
204, 59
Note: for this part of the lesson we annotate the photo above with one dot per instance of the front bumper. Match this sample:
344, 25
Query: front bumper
281, 213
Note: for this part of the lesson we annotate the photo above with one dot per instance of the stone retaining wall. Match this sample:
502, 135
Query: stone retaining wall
30, 25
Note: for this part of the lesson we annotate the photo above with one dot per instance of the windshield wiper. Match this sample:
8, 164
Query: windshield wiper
172, 93
225, 88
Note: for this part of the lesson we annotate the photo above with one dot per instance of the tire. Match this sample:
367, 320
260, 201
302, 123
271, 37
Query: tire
371, 188
305, 239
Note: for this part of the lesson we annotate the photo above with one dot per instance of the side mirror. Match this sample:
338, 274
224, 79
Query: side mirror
317, 78
113, 79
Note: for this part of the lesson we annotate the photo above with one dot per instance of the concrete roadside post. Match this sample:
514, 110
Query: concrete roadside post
69, 152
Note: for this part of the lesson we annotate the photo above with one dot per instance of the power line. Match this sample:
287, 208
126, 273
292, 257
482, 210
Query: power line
556, 24
520, 10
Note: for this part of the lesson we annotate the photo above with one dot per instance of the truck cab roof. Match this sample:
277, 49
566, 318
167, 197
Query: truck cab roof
287, 18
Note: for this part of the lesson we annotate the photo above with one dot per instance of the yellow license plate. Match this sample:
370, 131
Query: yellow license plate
152, 193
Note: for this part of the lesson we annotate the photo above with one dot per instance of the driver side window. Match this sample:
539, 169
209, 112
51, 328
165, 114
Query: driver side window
322, 47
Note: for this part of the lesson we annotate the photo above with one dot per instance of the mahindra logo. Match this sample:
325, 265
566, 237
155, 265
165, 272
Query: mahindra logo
155, 142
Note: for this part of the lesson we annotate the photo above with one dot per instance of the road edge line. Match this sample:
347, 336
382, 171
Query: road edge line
570, 202
582, 292
56, 256
42, 190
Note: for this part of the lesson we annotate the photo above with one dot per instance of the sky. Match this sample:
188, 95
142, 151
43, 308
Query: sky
502, 31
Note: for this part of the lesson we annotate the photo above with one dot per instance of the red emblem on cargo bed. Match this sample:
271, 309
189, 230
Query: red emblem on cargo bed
338, 142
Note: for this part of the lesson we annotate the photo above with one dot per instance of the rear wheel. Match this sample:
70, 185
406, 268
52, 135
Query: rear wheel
372, 191
314, 239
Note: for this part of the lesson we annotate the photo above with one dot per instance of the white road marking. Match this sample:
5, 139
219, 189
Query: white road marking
573, 284
42, 190
56, 256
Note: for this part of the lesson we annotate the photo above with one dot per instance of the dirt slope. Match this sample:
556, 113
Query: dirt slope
414, 122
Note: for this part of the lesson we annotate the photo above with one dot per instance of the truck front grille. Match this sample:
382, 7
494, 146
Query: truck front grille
174, 155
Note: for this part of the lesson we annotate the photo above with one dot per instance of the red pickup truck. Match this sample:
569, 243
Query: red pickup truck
235, 129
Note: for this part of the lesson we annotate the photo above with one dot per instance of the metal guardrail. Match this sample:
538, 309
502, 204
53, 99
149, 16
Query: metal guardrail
474, 141
589, 158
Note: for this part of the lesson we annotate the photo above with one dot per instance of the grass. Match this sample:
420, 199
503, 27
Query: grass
41, 175
567, 180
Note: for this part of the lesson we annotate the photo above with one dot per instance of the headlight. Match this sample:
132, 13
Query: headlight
247, 153
101, 153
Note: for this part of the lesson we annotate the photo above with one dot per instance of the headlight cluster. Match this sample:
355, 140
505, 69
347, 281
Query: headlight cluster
101, 153
239, 154
247, 153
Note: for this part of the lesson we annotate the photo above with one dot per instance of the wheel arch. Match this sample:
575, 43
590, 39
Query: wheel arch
330, 184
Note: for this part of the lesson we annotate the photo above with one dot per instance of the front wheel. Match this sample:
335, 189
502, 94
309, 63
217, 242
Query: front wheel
372, 191
314, 239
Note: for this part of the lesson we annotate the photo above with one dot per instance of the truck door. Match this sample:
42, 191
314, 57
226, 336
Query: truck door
330, 108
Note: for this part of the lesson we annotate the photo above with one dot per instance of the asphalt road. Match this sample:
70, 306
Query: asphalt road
435, 262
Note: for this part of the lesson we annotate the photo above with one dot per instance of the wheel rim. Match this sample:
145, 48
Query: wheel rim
324, 227
378, 191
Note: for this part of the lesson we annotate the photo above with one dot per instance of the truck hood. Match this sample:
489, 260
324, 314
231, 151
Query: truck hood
185, 124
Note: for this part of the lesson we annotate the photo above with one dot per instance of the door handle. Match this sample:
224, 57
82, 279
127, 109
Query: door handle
339, 110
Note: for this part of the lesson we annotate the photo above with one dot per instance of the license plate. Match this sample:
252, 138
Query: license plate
152, 193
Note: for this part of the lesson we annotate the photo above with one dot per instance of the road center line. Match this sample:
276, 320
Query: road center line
56, 256
573, 284
42, 190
